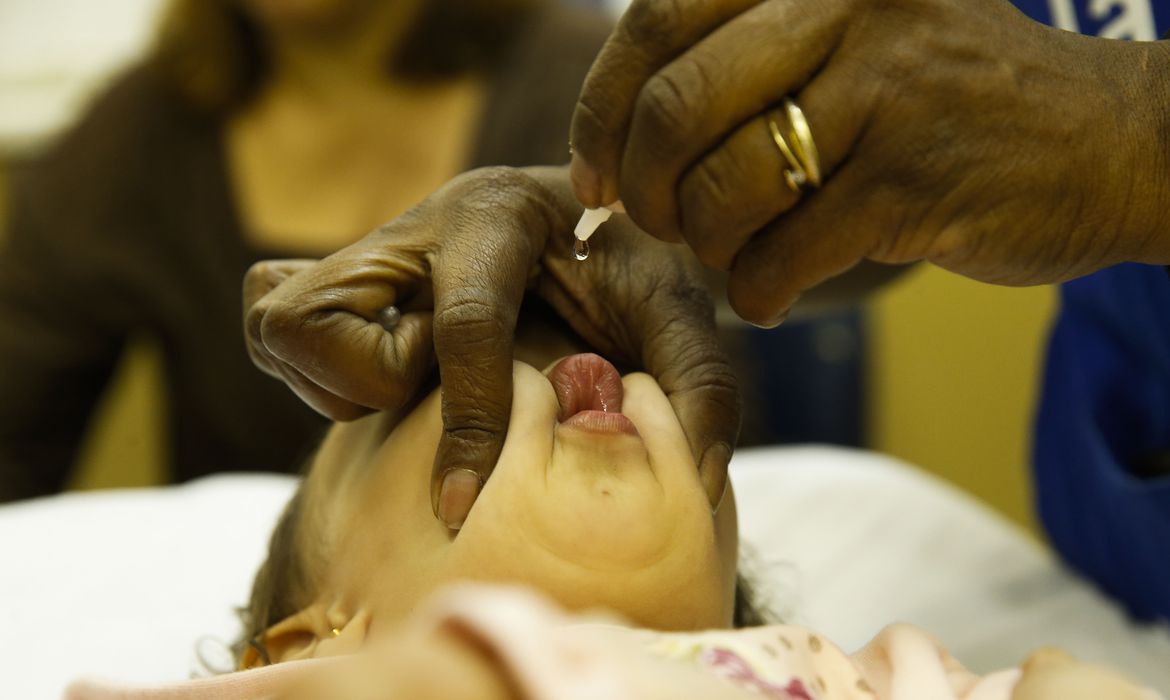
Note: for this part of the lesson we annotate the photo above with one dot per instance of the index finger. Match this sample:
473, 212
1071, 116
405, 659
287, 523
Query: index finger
319, 331
648, 36
259, 281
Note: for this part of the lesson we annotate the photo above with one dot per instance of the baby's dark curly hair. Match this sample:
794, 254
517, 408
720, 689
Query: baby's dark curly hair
282, 586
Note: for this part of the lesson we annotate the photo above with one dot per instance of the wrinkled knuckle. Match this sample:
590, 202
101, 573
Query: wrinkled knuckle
705, 202
486, 183
705, 369
472, 435
663, 107
259, 272
259, 280
485, 194
710, 186
504, 179
281, 325
473, 319
591, 122
693, 79
654, 25
717, 374
716, 179
721, 396
725, 391
700, 356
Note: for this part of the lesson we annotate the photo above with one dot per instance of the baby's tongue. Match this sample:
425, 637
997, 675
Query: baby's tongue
586, 382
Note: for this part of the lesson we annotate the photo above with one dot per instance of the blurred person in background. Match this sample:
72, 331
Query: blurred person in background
254, 129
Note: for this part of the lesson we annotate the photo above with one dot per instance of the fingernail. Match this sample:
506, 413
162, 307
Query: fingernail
456, 496
713, 472
772, 322
586, 182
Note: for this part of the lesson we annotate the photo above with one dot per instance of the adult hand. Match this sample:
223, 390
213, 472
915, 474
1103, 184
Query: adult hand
955, 131
458, 266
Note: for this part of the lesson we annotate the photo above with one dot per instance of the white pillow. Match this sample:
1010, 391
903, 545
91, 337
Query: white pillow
123, 584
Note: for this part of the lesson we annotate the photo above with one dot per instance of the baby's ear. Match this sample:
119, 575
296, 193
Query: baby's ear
314, 632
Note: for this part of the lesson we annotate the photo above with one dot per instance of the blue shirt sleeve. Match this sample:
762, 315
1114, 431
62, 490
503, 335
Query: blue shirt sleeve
1116, 19
1106, 406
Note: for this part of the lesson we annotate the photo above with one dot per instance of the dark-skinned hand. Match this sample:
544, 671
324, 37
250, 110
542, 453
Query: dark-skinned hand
458, 266
954, 131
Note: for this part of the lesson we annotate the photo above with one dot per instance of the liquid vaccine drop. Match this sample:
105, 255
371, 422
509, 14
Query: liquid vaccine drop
580, 249
590, 220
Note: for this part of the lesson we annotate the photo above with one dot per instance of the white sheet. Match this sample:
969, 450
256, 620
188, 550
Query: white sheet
54, 56
855, 540
124, 583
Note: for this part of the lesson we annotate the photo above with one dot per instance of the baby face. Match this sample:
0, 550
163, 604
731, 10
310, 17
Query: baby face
595, 501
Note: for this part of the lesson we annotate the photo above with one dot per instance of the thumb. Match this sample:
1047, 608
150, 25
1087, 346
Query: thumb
494, 236
681, 351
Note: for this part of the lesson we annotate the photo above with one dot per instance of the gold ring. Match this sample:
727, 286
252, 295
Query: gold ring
794, 176
804, 164
806, 148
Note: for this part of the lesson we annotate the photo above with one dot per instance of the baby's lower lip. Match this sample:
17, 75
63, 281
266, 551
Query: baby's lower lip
601, 422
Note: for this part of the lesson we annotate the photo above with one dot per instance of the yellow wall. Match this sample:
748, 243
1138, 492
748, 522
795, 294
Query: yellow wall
955, 367
126, 445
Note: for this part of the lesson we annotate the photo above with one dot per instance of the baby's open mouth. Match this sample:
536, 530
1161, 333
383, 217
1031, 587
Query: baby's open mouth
589, 393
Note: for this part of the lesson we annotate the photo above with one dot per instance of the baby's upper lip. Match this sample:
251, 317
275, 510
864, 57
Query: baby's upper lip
586, 382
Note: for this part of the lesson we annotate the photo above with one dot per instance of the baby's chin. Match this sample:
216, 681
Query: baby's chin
655, 603
596, 521
629, 565
600, 539
675, 588
634, 550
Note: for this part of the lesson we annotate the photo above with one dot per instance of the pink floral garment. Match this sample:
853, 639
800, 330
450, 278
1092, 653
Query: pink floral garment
553, 655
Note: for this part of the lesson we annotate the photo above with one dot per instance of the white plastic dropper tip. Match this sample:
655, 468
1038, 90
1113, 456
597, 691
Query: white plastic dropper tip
590, 220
